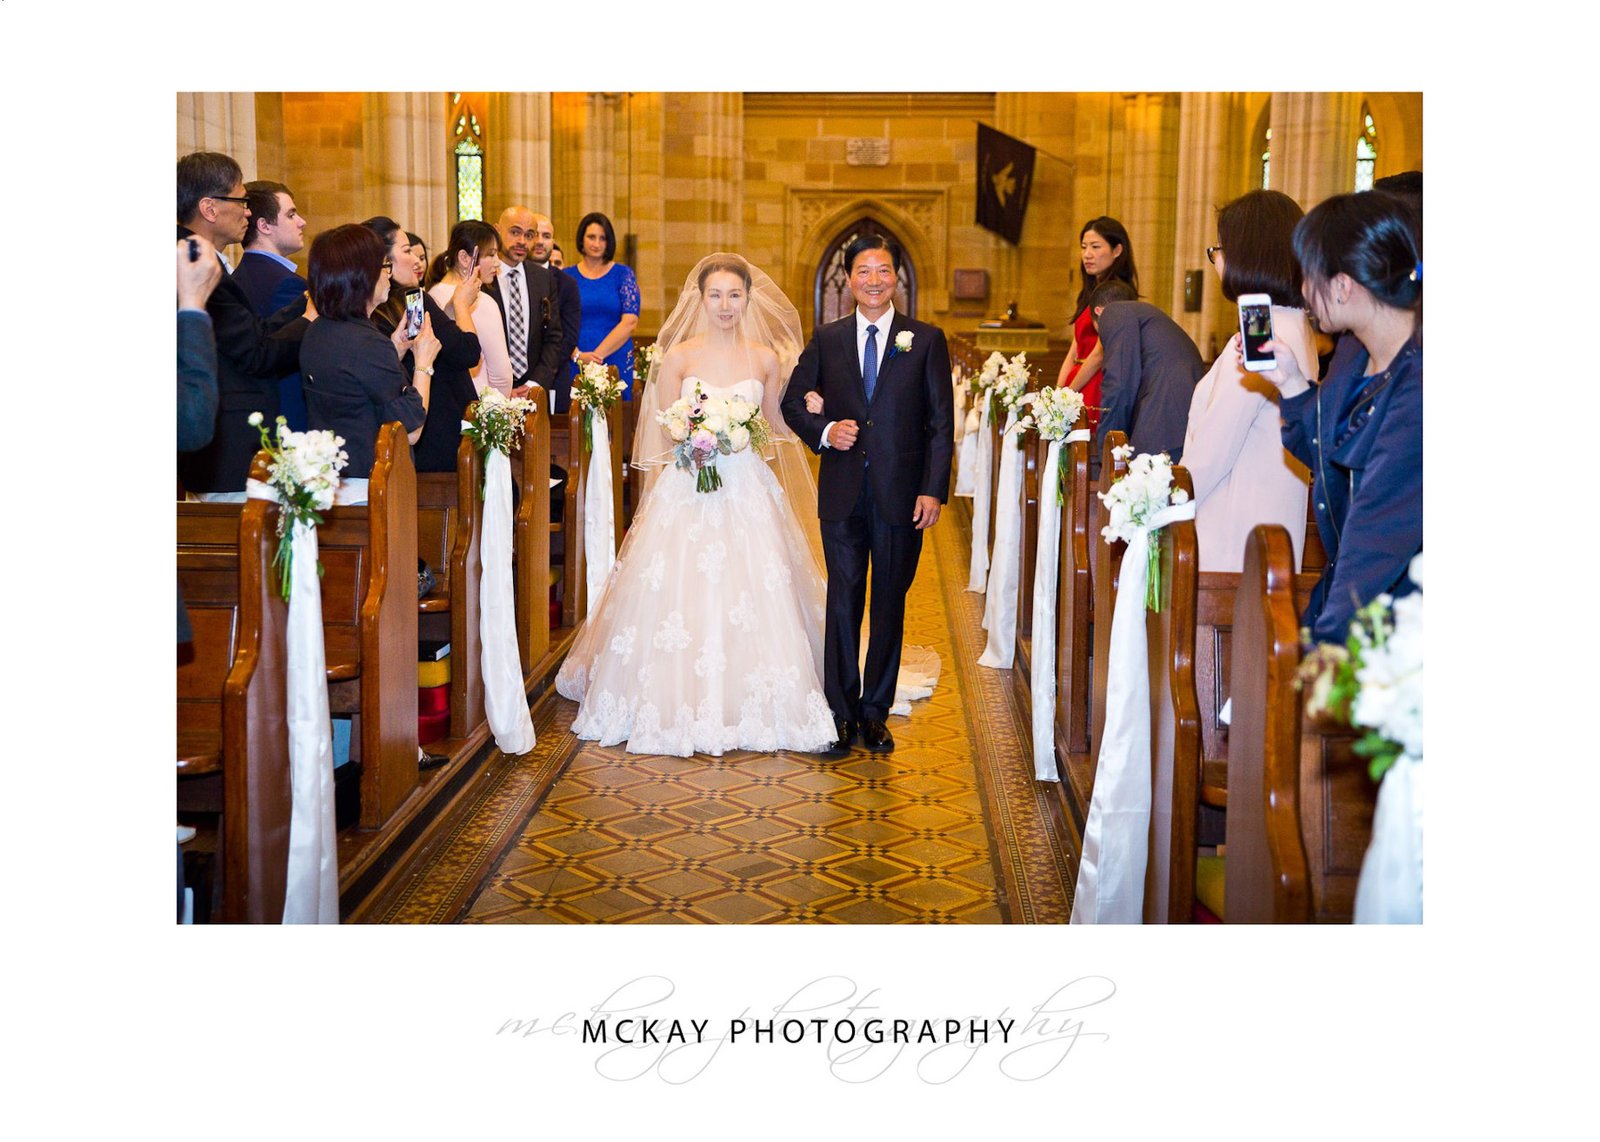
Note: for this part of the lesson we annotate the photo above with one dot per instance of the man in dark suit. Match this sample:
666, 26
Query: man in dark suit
267, 276
529, 306
1150, 371
251, 354
886, 437
544, 251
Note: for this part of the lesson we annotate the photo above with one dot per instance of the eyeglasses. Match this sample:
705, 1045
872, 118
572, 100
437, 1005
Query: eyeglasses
242, 200
1211, 254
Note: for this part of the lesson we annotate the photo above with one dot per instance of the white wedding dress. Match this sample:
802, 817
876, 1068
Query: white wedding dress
707, 634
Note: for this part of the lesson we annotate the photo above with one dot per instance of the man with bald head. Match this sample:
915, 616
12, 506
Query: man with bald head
529, 304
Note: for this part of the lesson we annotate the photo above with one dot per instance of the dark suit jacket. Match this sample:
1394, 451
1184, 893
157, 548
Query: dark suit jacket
1150, 371
907, 436
543, 324
571, 319
270, 285
251, 356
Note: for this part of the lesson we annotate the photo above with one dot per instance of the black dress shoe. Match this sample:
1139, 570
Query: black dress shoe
875, 736
846, 729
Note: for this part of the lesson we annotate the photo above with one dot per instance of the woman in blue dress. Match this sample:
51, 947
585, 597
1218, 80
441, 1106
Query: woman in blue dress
609, 295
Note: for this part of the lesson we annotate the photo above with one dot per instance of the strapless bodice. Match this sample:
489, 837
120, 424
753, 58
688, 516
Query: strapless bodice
750, 389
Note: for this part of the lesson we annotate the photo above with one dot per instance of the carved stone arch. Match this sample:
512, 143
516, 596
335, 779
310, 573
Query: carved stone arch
915, 219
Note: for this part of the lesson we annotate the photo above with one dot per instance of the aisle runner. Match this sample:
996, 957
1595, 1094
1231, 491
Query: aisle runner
946, 829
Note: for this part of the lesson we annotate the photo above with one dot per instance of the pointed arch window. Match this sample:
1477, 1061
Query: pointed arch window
832, 295
1266, 160
467, 134
1366, 150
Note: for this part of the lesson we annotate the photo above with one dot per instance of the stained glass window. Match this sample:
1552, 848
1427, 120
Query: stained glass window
833, 298
469, 161
1366, 151
1266, 162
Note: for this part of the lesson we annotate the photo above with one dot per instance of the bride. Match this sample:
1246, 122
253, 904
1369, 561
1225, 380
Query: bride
707, 633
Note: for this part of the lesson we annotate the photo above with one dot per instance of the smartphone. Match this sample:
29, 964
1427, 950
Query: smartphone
414, 312
473, 268
194, 250
1255, 330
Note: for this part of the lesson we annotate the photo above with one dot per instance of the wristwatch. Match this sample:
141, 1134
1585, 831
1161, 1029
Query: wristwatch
428, 370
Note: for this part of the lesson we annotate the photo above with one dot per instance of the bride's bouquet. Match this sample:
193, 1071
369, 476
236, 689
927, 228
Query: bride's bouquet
1133, 501
704, 427
305, 474
595, 388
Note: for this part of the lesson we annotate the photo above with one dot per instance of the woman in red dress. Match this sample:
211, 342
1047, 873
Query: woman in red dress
1107, 254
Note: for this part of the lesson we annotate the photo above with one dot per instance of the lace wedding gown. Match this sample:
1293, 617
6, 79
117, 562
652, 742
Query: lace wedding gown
707, 634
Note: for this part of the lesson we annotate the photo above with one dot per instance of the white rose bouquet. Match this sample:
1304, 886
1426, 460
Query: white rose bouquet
1011, 385
982, 384
704, 427
305, 474
1134, 500
595, 389
1053, 411
499, 423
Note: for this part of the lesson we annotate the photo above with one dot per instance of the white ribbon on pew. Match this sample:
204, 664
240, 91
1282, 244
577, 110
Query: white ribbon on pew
599, 528
1390, 888
978, 573
1005, 568
312, 888
505, 701
1110, 888
1046, 580
967, 452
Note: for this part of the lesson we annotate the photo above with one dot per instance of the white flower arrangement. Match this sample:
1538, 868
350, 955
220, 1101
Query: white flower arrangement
499, 422
903, 339
704, 427
1011, 386
595, 389
644, 360
1133, 501
1052, 413
305, 473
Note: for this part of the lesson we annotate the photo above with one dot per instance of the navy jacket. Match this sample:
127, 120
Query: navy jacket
1150, 371
1361, 437
270, 285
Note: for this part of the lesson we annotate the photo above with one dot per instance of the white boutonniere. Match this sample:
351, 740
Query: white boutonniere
903, 339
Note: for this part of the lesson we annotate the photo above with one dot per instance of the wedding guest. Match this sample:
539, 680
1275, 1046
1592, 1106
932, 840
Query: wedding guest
529, 302
544, 251
251, 354
457, 277
459, 350
1233, 448
199, 271
558, 257
1151, 366
609, 297
267, 276
353, 380
1107, 256
1360, 430
419, 248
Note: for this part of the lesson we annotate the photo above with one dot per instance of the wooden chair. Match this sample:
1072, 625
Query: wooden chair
369, 621
232, 701
574, 594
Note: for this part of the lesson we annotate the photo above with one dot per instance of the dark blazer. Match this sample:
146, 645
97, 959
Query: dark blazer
1150, 371
251, 355
907, 436
354, 386
543, 322
450, 393
270, 285
1364, 448
571, 320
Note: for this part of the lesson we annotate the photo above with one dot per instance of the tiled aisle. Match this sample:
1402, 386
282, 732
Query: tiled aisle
949, 828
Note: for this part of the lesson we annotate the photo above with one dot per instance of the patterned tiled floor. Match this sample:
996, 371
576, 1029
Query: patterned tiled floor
949, 828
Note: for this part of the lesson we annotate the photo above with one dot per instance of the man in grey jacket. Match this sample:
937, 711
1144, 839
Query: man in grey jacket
1150, 371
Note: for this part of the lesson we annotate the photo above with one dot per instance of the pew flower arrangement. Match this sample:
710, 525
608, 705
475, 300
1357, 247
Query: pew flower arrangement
1011, 385
1052, 415
305, 474
596, 390
1133, 501
983, 382
499, 422
704, 427
1374, 681
644, 360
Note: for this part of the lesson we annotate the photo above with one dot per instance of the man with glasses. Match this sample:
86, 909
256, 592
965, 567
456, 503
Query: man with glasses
269, 279
251, 354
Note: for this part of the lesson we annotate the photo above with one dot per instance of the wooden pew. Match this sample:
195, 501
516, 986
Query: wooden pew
574, 593
996, 440
1300, 801
232, 705
1034, 451
1074, 609
369, 620
1105, 561
530, 472
449, 536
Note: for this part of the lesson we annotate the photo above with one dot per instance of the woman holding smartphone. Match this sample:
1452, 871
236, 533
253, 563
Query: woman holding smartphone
353, 380
457, 276
1232, 449
459, 350
1107, 255
1360, 430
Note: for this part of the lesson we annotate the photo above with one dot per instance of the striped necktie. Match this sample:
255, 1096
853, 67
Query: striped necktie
519, 328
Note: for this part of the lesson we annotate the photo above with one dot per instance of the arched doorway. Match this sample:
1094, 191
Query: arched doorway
831, 294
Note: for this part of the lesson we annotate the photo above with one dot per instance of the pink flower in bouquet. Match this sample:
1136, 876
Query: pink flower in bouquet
703, 440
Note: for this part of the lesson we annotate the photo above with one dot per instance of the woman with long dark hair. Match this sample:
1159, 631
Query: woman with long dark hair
458, 340
1233, 449
353, 380
1107, 256
1360, 430
609, 297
